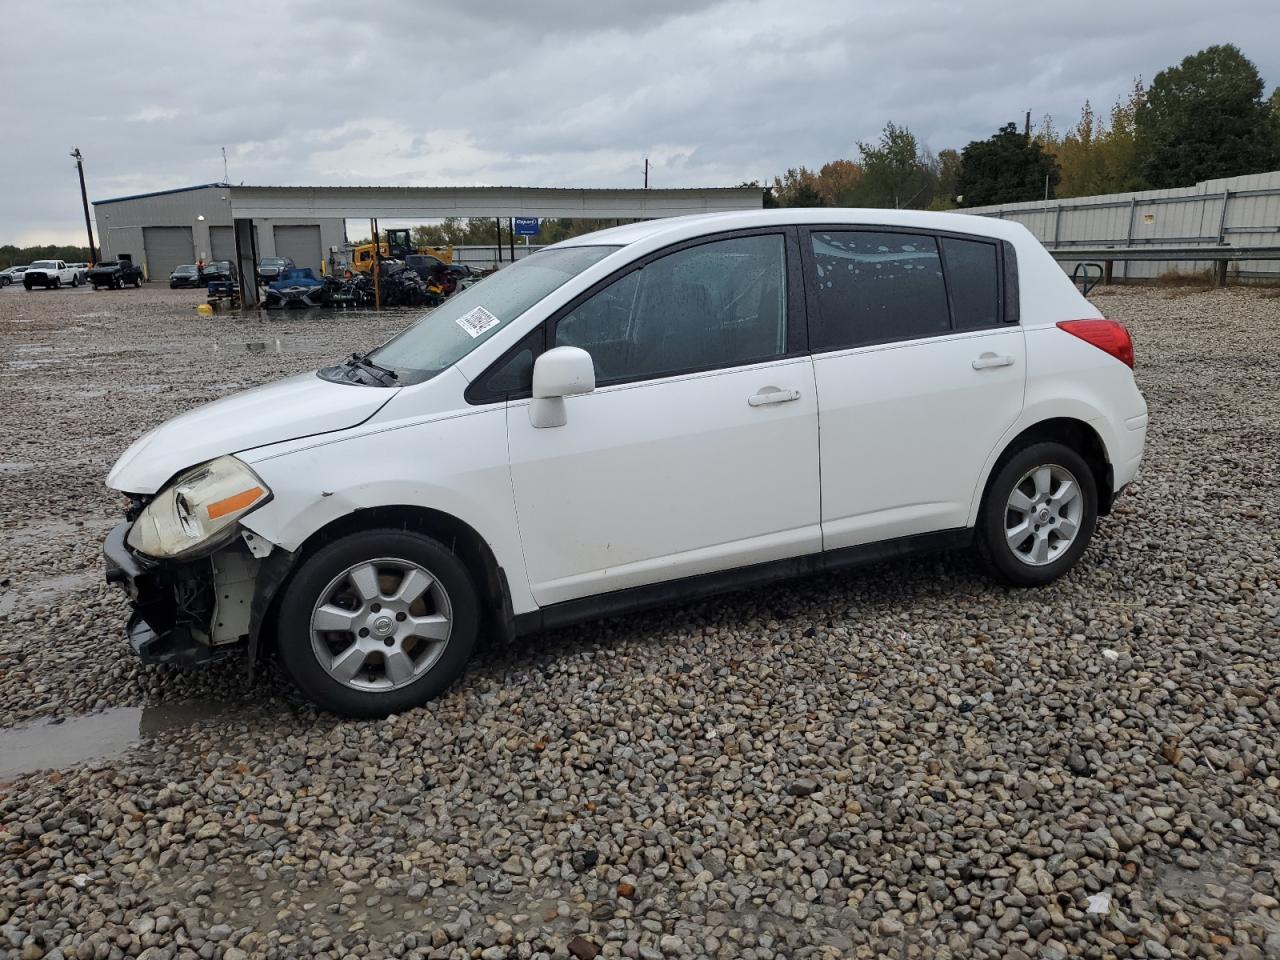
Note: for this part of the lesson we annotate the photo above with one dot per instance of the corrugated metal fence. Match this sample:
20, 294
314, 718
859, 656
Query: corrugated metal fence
1239, 211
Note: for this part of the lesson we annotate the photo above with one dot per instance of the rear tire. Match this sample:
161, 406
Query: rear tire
1037, 515
75, 281
345, 597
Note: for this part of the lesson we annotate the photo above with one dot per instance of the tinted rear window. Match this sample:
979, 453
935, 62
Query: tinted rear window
973, 276
876, 287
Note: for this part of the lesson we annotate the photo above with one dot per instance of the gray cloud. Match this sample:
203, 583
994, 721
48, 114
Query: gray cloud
560, 92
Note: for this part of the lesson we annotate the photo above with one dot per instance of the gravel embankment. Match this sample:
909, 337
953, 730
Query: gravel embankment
904, 761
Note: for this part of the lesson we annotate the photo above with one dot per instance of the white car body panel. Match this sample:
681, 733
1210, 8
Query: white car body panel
664, 479
297, 406
907, 428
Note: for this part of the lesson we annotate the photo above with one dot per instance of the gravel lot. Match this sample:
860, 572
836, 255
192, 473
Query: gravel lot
904, 761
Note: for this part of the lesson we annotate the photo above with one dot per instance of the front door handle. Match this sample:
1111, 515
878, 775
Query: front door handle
772, 395
989, 360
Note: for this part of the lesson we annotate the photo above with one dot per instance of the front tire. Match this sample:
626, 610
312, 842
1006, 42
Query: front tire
1038, 515
378, 622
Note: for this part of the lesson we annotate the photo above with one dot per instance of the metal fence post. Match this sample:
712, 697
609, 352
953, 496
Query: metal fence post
1128, 238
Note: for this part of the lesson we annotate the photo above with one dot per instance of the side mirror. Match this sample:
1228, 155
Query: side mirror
560, 372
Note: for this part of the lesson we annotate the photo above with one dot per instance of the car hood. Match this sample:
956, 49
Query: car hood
300, 406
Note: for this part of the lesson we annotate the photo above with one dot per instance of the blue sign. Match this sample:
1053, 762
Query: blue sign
527, 226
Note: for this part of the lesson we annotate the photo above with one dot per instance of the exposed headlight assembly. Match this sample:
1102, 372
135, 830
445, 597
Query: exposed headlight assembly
197, 512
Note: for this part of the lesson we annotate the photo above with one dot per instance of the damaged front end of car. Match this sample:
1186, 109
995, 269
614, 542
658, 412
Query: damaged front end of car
191, 571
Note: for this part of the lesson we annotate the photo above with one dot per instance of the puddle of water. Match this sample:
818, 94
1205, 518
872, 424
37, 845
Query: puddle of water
55, 745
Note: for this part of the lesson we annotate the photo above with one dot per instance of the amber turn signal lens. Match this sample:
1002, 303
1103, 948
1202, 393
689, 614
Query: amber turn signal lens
220, 508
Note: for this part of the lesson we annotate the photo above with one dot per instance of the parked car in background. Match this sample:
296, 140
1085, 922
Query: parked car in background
115, 274
50, 273
81, 269
187, 275
12, 275
212, 270
271, 269
298, 287
632, 417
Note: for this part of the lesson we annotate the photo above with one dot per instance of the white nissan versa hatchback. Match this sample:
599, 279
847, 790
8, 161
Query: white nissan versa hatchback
642, 414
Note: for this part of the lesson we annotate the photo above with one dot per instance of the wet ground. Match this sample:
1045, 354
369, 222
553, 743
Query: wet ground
903, 761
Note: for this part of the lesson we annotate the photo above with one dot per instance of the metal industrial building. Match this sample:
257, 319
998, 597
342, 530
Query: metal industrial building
169, 227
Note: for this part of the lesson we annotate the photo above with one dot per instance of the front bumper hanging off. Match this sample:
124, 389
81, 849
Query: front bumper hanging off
172, 604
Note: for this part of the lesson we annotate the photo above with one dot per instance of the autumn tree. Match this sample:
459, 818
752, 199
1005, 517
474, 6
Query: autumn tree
837, 181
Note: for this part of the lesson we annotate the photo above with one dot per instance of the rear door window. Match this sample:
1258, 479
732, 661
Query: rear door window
875, 287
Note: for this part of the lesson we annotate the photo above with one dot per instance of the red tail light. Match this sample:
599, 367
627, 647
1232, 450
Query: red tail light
1109, 336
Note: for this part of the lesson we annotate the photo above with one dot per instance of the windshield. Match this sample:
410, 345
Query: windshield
272, 262
44, 264
464, 321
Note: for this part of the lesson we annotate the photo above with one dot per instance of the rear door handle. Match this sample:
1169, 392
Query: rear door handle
772, 395
989, 360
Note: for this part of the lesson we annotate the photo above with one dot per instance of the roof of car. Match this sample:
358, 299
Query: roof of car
679, 228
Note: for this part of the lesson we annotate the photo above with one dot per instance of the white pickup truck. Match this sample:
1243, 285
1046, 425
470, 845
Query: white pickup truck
50, 273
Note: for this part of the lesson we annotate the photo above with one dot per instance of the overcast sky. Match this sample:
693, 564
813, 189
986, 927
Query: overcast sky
547, 92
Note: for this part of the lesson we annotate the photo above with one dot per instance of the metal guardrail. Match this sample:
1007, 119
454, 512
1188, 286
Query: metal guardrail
1220, 256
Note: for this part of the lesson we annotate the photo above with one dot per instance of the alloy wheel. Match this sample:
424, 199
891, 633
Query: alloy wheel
381, 624
1043, 514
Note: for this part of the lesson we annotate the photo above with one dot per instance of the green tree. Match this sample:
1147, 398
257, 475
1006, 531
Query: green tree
798, 187
895, 172
948, 179
11, 256
1206, 118
1006, 168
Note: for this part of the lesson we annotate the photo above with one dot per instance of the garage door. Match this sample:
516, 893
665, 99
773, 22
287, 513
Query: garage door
223, 241
166, 248
301, 245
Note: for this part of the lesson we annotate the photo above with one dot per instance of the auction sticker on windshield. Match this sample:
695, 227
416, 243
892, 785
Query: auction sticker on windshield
477, 321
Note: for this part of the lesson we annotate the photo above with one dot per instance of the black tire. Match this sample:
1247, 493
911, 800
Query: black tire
57, 283
137, 283
992, 541
28, 285
314, 576
75, 281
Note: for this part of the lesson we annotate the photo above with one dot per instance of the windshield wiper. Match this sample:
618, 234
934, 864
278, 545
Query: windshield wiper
383, 375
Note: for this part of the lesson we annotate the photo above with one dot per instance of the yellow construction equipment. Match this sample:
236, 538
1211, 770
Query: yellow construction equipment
397, 245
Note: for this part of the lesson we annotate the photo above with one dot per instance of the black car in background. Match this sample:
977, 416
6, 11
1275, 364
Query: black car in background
116, 274
187, 275
271, 269
218, 270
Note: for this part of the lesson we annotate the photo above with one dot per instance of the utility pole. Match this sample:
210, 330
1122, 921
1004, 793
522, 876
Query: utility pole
1026, 126
646, 173
226, 178
84, 199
